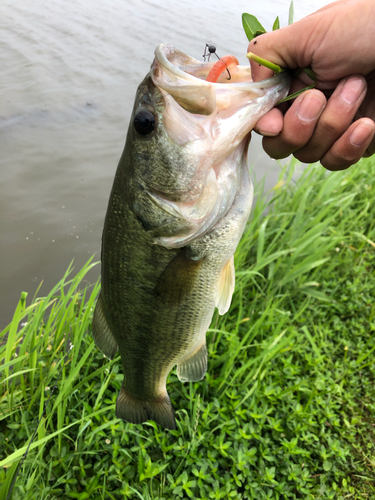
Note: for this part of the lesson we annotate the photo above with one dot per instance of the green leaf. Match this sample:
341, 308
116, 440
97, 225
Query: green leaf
310, 73
14, 426
295, 94
252, 26
276, 24
327, 465
31, 480
275, 67
302, 268
261, 237
312, 341
291, 13
314, 293
20, 451
6, 485
259, 32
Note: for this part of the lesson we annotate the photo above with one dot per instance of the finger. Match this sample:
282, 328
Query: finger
367, 108
270, 124
299, 125
351, 146
335, 119
266, 46
370, 149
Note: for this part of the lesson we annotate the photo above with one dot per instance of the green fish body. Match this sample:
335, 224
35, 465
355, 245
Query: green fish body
178, 207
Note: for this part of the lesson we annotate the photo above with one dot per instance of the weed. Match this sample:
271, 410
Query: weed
286, 408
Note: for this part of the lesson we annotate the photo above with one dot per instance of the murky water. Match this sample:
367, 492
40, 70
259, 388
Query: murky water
69, 73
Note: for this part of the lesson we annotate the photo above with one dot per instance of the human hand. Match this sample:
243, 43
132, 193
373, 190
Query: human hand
318, 125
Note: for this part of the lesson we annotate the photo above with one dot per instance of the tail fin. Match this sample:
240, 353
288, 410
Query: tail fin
137, 411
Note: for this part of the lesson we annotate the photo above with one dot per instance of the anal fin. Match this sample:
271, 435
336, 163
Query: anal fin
137, 411
194, 367
103, 336
225, 289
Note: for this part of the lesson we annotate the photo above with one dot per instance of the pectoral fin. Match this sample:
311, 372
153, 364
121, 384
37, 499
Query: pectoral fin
193, 368
225, 289
101, 331
178, 278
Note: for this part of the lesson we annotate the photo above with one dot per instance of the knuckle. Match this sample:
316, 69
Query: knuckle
329, 125
307, 156
296, 140
275, 149
334, 124
339, 160
348, 156
371, 149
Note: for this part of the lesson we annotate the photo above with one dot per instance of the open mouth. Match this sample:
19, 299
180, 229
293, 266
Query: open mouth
210, 121
185, 79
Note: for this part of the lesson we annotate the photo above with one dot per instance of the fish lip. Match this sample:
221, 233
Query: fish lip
183, 78
231, 109
166, 53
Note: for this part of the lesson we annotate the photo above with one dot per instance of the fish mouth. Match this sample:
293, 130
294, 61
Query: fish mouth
210, 122
184, 78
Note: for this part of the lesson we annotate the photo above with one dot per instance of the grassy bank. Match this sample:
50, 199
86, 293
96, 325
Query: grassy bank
286, 409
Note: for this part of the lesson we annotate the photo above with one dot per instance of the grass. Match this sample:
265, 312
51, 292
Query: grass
286, 408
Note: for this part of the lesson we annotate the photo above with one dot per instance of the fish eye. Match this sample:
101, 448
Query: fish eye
144, 122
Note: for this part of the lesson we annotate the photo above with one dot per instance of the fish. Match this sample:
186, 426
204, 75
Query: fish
179, 204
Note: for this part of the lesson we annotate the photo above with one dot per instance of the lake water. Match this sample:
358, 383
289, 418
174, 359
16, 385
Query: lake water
69, 73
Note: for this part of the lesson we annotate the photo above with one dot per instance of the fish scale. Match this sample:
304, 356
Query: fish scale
172, 227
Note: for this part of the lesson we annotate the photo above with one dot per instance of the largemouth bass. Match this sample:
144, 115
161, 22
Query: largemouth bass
179, 204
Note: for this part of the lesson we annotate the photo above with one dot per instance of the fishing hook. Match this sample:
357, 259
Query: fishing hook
212, 50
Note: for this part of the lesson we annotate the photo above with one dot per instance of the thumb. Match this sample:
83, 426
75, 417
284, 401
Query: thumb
293, 46
279, 47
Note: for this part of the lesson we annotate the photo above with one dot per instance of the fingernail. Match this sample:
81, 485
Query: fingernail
360, 134
310, 107
352, 90
266, 133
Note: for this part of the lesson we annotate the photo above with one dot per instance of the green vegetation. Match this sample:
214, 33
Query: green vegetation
253, 28
286, 409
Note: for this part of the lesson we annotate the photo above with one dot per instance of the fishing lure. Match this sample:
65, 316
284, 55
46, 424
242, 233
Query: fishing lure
221, 65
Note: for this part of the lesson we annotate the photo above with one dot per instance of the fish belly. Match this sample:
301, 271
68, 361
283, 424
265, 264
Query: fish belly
157, 304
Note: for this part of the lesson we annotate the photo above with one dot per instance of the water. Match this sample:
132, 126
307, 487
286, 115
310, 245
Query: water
69, 74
